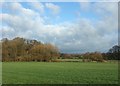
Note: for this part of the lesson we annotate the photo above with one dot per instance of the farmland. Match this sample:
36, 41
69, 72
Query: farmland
59, 73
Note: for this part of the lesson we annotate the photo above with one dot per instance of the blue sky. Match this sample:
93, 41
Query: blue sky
75, 27
70, 12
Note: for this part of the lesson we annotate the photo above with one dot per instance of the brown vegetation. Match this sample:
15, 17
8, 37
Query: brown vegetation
20, 49
95, 56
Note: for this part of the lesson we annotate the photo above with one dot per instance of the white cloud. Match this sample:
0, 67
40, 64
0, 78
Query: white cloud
106, 8
80, 36
54, 8
37, 6
85, 5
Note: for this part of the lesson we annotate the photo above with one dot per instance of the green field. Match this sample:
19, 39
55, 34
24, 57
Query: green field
59, 73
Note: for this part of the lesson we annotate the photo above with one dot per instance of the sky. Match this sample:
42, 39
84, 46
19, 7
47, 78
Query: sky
74, 27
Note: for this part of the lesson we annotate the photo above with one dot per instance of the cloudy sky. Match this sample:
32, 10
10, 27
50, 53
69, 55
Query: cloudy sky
75, 27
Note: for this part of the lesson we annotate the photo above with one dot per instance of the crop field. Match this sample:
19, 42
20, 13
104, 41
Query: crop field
59, 73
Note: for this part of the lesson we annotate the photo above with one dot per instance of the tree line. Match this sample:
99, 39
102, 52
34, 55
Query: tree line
20, 49
112, 54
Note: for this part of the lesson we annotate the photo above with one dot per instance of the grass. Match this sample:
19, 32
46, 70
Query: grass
70, 60
0, 72
59, 73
